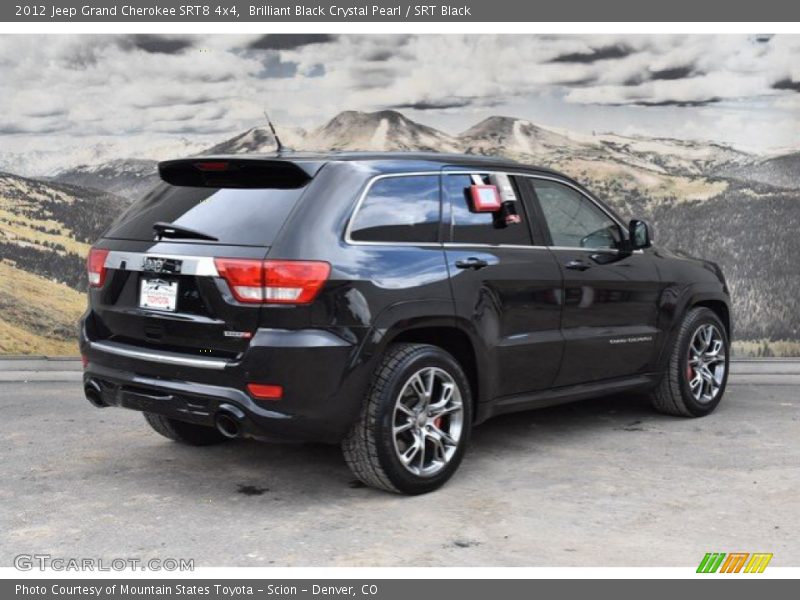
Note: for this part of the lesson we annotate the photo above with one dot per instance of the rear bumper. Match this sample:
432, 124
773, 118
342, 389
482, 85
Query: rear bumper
322, 389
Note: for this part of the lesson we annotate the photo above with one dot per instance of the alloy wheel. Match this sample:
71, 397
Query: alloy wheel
706, 365
427, 421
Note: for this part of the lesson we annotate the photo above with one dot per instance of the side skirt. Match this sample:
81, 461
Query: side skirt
566, 394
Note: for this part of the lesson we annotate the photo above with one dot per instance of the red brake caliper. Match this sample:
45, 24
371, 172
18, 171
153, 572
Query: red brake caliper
689, 369
437, 422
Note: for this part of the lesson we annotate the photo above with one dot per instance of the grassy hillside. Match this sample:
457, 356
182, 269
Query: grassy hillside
39, 316
45, 233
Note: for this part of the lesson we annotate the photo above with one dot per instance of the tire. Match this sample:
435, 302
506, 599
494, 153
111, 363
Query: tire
395, 399
677, 392
184, 433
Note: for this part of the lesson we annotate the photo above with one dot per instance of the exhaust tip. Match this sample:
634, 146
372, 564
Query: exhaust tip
229, 421
93, 394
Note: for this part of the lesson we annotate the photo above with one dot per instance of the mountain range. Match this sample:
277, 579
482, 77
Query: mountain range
705, 198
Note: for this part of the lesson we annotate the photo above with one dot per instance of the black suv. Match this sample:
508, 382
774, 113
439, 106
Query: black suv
387, 302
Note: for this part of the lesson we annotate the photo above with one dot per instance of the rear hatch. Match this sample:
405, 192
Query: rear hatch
162, 286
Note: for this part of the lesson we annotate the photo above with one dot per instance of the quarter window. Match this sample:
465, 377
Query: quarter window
574, 220
485, 227
399, 209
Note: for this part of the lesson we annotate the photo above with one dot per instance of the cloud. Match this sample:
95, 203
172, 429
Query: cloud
172, 101
672, 73
680, 103
433, 104
787, 84
595, 54
156, 86
290, 41
380, 55
43, 112
158, 44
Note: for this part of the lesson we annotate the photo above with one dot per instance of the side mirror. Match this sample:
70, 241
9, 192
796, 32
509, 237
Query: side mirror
639, 235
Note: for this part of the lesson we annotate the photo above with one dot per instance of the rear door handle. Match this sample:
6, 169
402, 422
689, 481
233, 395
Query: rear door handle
577, 265
472, 263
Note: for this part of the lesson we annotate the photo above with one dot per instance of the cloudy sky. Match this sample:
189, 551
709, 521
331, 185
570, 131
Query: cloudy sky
145, 95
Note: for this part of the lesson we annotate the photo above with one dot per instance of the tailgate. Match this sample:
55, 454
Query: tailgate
193, 312
160, 287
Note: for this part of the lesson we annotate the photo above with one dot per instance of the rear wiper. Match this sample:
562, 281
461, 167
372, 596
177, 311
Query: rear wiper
170, 230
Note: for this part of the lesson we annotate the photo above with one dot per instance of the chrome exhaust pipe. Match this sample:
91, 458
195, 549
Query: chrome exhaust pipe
94, 394
229, 421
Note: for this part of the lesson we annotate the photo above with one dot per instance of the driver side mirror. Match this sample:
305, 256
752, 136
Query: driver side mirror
639, 235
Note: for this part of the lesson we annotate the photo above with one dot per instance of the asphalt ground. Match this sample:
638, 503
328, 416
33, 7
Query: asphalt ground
603, 482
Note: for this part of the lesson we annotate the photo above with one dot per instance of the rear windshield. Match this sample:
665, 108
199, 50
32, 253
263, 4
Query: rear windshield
244, 217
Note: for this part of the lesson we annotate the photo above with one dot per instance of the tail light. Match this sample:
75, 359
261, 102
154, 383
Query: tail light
96, 266
273, 281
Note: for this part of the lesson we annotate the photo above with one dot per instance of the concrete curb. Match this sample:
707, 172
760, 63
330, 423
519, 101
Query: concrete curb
743, 372
40, 376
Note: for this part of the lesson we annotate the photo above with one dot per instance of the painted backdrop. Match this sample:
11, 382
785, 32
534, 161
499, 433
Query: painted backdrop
699, 134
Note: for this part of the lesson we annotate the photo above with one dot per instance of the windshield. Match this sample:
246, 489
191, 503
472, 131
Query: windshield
244, 217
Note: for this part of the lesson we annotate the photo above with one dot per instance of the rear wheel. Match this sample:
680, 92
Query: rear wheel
185, 433
698, 367
415, 423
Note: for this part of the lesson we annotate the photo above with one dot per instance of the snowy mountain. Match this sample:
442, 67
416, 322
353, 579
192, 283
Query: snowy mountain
508, 135
129, 178
685, 157
378, 131
549, 146
260, 140
65, 154
782, 171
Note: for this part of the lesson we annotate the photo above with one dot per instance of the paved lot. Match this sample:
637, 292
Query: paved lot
599, 483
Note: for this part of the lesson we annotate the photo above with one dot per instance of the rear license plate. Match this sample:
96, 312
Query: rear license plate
159, 294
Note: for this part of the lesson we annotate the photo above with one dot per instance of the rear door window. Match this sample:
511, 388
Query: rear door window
402, 209
244, 217
483, 227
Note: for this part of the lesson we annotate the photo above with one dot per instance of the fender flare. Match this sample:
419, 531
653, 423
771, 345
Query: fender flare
692, 296
406, 316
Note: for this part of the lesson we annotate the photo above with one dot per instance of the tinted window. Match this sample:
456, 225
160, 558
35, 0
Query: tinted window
247, 217
573, 219
399, 209
481, 228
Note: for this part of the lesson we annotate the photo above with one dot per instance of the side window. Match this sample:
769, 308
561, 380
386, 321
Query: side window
481, 228
574, 220
399, 209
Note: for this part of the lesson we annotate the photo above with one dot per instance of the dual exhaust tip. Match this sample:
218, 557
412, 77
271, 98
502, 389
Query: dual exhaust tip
228, 420
94, 394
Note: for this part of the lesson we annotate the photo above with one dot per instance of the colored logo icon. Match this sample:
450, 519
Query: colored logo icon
734, 562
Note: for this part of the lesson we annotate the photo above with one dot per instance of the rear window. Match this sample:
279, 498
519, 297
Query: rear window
244, 217
402, 208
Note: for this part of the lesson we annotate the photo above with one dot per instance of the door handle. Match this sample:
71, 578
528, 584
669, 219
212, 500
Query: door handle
472, 263
577, 265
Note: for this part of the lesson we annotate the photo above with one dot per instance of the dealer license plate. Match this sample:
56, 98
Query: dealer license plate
159, 294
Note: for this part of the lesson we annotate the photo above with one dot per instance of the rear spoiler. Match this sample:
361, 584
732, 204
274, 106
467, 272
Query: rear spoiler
237, 172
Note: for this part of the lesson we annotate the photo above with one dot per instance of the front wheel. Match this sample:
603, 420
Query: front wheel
698, 367
415, 424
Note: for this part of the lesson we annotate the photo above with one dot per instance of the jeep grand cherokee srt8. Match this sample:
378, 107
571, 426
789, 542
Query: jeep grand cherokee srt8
387, 302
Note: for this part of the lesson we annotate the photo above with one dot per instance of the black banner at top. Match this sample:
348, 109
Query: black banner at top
390, 11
